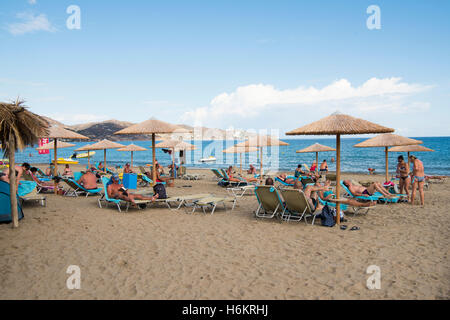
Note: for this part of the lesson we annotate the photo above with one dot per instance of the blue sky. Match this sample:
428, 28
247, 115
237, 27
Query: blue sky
242, 64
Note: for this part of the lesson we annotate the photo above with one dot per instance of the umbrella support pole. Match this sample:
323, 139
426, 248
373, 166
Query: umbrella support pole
338, 177
55, 173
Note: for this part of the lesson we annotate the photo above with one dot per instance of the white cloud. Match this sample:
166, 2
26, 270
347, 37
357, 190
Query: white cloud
30, 23
374, 95
32, 2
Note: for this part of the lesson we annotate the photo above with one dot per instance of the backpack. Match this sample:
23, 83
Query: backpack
327, 216
160, 190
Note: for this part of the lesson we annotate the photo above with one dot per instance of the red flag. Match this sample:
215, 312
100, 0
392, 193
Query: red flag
41, 143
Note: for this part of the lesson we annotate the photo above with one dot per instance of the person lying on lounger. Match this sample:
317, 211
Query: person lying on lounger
269, 182
33, 172
232, 178
283, 177
117, 191
329, 196
89, 180
369, 191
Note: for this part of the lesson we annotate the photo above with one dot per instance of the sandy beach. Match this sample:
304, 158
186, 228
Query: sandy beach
159, 253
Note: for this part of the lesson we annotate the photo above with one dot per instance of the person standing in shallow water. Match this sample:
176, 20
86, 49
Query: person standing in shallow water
418, 179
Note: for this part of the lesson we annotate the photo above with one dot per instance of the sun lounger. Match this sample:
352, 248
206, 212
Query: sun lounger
27, 192
75, 189
212, 202
297, 206
377, 196
239, 192
269, 200
117, 202
226, 178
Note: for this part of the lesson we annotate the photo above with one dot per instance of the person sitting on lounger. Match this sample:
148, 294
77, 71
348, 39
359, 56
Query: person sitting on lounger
67, 171
117, 191
127, 168
101, 167
89, 180
311, 193
313, 167
4, 176
252, 170
269, 182
369, 191
50, 170
299, 171
283, 177
159, 178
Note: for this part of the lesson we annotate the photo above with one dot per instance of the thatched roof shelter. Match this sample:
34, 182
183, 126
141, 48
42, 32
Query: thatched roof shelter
387, 140
339, 124
51, 145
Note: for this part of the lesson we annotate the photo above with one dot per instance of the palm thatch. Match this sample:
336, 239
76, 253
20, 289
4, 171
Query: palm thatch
51, 145
340, 124
411, 148
18, 128
387, 140
25, 126
261, 141
316, 148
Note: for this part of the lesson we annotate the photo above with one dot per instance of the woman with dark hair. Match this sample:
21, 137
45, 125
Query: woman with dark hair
403, 175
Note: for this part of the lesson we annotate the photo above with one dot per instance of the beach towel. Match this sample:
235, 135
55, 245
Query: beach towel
26, 187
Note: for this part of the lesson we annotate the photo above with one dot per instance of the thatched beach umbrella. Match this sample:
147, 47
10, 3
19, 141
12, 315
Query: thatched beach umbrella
102, 145
18, 128
316, 148
240, 150
339, 124
411, 148
261, 142
175, 145
153, 127
132, 148
56, 132
387, 140
51, 145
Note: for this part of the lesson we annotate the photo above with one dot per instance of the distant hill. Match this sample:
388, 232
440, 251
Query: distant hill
106, 129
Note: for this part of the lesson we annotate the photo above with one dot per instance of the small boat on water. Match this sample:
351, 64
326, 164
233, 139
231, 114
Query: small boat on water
66, 161
209, 159
85, 155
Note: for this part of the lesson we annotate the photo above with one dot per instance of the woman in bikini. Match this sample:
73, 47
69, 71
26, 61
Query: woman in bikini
403, 175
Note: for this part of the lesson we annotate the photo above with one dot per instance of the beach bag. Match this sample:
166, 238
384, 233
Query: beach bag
160, 190
327, 216
223, 183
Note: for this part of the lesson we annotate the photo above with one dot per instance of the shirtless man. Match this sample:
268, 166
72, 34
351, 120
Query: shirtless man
418, 176
127, 168
403, 175
88, 181
117, 191
233, 179
25, 167
324, 166
311, 193
299, 171
329, 196
369, 191
33, 172
159, 178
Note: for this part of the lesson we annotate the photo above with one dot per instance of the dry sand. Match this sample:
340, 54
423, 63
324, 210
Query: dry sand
162, 254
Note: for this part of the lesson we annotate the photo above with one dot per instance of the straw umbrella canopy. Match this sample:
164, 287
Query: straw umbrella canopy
55, 133
387, 140
51, 145
153, 127
240, 150
175, 145
132, 148
411, 148
316, 148
261, 142
339, 124
102, 145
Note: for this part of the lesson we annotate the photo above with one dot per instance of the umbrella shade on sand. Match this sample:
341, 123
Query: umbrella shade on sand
339, 124
132, 148
153, 127
56, 132
261, 142
411, 148
102, 145
316, 148
240, 150
387, 140
175, 145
